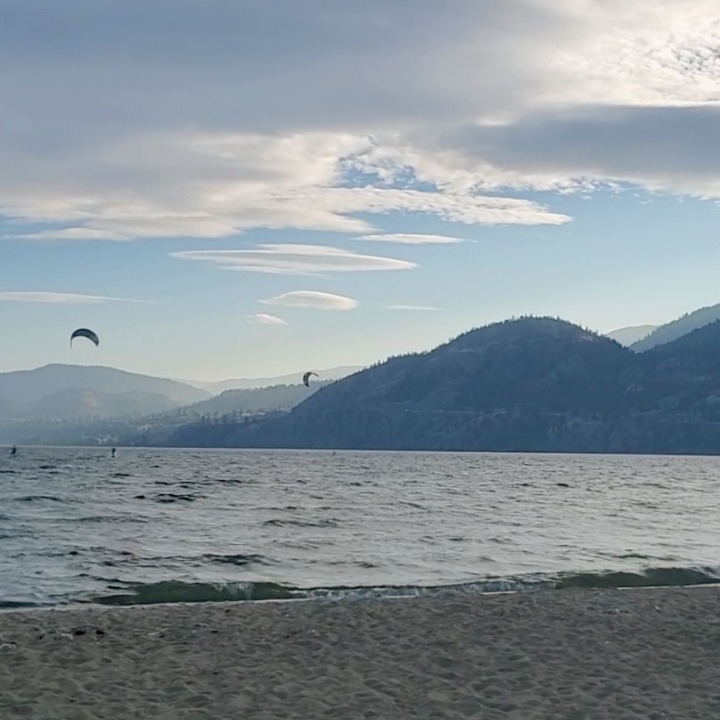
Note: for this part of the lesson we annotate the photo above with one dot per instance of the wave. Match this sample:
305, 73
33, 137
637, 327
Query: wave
174, 497
16, 604
31, 498
650, 577
113, 519
172, 591
167, 497
238, 559
279, 522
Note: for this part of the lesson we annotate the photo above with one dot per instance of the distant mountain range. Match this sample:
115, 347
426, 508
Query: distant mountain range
643, 337
627, 336
677, 328
219, 386
547, 374
534, 384
254, 400
80, 404
72, 391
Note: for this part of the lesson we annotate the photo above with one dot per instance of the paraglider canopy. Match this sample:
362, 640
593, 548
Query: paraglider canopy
84, 332
306, 377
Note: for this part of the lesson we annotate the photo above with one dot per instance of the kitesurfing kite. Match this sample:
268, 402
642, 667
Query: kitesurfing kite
84, 332
306, 377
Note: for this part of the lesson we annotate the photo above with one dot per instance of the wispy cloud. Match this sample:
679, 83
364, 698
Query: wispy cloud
413, 239
313, 299
60, 298
265, 319
411, 307
294, 259
232, 183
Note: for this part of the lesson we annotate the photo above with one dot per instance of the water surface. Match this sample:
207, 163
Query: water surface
162, 525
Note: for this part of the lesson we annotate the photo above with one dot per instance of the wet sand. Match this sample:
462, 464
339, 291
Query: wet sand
555, 655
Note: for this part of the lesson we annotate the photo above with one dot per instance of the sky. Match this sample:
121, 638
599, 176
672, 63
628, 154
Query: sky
226, 189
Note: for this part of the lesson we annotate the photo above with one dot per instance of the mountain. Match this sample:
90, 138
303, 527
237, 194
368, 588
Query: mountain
69, 391
31, 385
219, 386
521, 368
72, 403
628, 335
74, 416
437, 398
533, 384
275, 397
677, 328
682, 376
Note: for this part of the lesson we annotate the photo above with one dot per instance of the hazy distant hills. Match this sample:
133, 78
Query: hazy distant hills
219, 386
253, 400
77, 404
534, 384
72, 391
677, 328
628, 335
643, 337
231, 406
530, 384
31, 385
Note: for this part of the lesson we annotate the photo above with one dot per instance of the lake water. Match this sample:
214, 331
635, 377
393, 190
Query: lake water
188, 525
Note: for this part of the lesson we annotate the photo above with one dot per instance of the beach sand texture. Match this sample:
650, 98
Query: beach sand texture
560, 655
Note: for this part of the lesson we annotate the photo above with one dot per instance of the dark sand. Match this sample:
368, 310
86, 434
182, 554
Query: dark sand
556, 655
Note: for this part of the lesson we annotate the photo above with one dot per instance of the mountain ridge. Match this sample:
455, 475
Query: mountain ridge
678, 328
23, 390
67, 391
627, 336
44, 376
531, 385
218, 386
501, 351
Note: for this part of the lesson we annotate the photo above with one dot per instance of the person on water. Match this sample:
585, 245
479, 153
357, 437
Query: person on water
112, 452
13, 452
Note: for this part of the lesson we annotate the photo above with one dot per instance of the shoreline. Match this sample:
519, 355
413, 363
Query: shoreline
446, 592
576, 654
177, 592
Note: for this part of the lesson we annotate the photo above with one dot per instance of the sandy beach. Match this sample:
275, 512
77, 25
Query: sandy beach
565, 655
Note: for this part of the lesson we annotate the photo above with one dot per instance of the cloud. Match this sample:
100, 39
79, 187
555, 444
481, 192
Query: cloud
313, 299
294, 259
413, 239
659, 148
213, 186
305, 72
309, 72
265, 319
215, 121
60, 298
411, 307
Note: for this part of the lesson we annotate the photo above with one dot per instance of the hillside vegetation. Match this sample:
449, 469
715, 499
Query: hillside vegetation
534, 384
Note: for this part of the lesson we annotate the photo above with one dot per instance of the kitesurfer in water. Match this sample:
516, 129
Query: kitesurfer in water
13, 452
112, 452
